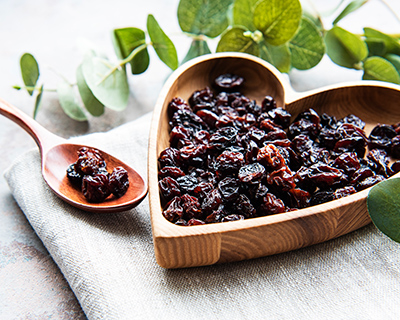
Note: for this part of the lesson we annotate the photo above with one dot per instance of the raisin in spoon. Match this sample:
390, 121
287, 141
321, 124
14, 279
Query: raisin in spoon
57, 154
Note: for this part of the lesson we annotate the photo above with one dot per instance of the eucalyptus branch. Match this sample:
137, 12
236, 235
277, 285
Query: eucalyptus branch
124, 61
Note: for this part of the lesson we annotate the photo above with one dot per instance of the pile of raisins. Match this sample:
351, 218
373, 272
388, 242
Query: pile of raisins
232, 159
90, 174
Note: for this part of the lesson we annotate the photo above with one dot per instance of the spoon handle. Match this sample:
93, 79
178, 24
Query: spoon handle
43, 138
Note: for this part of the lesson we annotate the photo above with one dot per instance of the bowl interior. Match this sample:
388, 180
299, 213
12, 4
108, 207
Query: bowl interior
259, 82
373, 102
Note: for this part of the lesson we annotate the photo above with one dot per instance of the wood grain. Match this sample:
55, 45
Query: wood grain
177, 246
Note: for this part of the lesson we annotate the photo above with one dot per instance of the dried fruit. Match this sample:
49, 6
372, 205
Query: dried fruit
90, 174
231, 159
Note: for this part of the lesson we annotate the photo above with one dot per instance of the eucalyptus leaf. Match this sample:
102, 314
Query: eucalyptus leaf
197, 49
351, 7
345, 48
394, 59
383, 203
94, 106
207, 17
107, 83
278, 56
376, 47
278, 20
69, 103
377, 68
243, 11
37, 101
163, 45
235, 40
125, 41
391, 43
29, 71
307, 46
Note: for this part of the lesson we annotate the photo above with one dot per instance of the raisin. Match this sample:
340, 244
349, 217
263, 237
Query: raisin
270, 204
243, 206
119, 181
228, 81
202, 99
229, 188
212, 201
170, 157
195, 222
381, 160
280, 116
96, 188
348, 162
268, 103
395, 147
169, 188
344, 192
191, 207
354, 120
74, 176
251, 173
232, 217
89, 161
229, 162
173, 172
173, 210
369, 182
299, 198
282, 178
270, 157
381, 137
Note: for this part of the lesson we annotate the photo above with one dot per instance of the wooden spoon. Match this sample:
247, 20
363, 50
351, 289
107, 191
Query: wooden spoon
57, 154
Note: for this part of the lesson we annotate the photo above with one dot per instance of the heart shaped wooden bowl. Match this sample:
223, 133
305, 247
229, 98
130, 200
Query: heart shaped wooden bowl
179, 246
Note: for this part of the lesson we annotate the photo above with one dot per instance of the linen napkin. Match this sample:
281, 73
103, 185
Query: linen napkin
108, 259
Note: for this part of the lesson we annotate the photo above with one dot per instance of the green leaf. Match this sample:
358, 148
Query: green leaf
108, 84
37, 102
391, 43
383, 203
125, 41
68, 102
208, 17
243, 11
307, 46
163, 46
352, 6
94, 106
278, 56
278, 20
376, 47
394, 59
197, 48
345, 48
29, 71
377, 68
235, 40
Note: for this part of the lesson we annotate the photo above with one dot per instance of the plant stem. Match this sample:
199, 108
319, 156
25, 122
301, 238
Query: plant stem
124, 61
35, 88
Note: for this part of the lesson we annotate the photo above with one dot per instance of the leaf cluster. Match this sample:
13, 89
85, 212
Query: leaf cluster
278, 31
101, 82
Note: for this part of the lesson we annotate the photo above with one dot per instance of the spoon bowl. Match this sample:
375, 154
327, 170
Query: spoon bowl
57, 154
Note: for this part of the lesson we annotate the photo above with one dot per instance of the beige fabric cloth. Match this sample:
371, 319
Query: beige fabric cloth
109, 262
